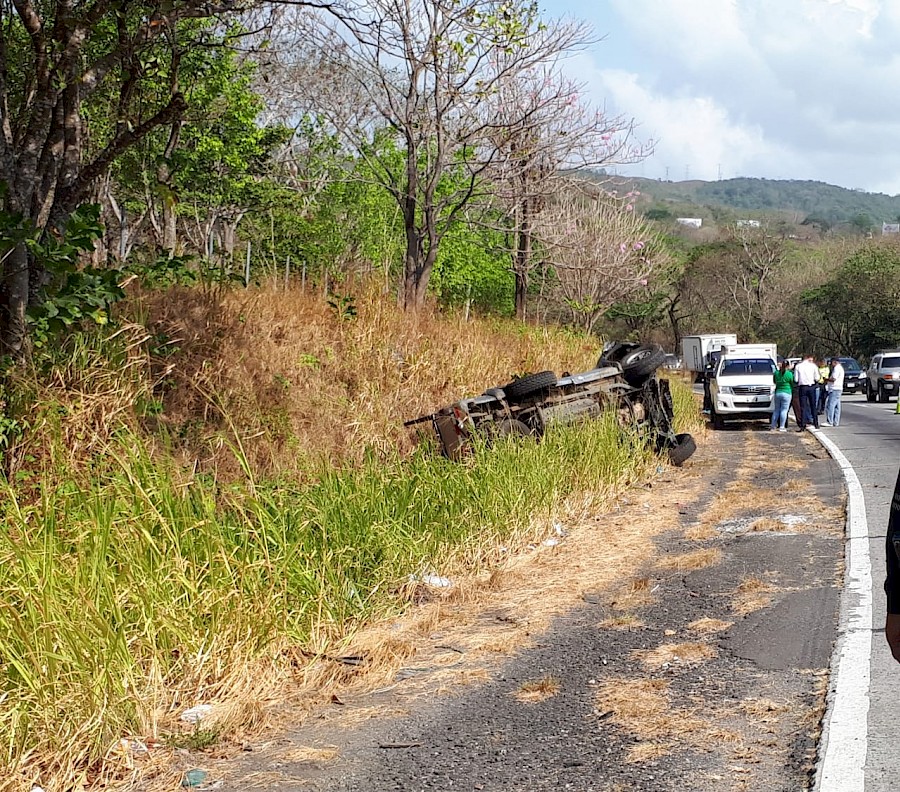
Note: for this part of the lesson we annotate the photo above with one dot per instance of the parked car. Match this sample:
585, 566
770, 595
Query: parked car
883, 376
624, 380
741, 384
854, 376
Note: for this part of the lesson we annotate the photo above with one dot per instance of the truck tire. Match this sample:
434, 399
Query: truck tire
717, 421
882, 394
638, 366
510, 427
615, 353
519, 389
870, 394
682, 450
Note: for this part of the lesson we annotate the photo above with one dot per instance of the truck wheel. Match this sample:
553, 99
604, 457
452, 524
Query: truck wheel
519, 389
682, 450
615, 353
718, 422
510, 427
638, 366
882, 394
870, 394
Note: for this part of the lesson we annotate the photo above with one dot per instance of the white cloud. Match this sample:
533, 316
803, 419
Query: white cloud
799, 89
692, 134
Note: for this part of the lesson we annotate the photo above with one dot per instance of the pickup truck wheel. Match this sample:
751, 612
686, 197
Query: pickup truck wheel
718, 422
882, 394
510, 427
615, 353
870, 394
519, 389
682, 450
638, 366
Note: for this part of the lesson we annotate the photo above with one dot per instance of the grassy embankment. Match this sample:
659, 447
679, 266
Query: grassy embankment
225, 489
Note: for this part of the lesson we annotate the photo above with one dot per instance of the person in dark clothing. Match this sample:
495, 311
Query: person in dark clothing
892, 580
806, 374
795, 403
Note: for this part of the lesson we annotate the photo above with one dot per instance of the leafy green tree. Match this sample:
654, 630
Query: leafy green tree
58, 60
856, 311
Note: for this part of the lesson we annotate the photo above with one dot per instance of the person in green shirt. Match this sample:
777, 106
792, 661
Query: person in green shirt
784, 381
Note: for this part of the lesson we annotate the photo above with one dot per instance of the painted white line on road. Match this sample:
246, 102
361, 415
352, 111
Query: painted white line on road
843, 745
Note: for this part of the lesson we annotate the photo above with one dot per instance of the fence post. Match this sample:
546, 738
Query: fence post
247, 267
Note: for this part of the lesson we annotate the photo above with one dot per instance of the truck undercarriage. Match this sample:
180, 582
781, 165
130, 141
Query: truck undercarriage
624, 380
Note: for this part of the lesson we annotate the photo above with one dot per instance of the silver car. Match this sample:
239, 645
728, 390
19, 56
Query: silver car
883, 376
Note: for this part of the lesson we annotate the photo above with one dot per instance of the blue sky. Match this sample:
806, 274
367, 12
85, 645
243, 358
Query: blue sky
776, 89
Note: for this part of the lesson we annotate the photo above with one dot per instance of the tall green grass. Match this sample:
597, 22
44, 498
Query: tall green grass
129, 592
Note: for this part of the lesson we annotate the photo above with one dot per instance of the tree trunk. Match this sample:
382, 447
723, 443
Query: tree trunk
522, 264
16, 283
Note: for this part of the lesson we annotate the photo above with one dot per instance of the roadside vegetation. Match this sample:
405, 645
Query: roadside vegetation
172, 534
237, 252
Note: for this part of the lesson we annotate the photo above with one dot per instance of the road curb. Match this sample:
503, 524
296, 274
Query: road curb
840, 766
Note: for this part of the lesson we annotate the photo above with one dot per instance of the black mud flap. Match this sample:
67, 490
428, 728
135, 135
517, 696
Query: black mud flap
453, 440
682, 450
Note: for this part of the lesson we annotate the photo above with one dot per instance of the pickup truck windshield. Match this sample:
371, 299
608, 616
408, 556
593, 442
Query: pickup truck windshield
731, 368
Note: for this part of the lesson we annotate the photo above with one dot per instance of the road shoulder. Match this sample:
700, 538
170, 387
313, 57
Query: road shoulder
697, 659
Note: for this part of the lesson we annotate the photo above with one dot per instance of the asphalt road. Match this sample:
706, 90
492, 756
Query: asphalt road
868, 438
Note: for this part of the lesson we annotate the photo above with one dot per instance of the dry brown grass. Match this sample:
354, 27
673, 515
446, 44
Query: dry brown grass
708, 625
645, 709
669, 654
764, 508
696, 559
537, 690
308, 754
635, 594
751, 595
305, 384
764, 711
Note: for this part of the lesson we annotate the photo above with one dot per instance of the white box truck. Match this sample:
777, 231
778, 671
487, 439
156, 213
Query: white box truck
741, 385
695, 349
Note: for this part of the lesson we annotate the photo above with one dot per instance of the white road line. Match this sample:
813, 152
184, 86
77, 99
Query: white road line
843, 745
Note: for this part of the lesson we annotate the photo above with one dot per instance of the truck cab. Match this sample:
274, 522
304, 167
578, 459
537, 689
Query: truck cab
742, 385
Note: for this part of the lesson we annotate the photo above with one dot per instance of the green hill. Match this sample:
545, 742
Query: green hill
811, 199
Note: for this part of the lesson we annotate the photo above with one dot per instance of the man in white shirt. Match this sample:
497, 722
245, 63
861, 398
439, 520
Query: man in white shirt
834, 387
806, 375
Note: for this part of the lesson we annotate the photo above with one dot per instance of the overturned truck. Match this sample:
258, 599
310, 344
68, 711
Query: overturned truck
624, 380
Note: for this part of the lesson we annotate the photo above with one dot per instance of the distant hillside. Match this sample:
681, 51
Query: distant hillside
811, 199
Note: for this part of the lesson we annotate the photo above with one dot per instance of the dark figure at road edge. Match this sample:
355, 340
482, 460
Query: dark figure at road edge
806, 374
892, 581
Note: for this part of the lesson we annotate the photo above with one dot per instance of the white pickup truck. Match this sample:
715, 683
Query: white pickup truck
742, 385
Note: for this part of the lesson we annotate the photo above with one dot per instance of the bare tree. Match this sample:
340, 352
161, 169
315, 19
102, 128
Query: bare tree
547, 132
414, 94
602, 251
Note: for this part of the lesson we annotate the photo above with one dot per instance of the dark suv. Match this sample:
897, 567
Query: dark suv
854, 376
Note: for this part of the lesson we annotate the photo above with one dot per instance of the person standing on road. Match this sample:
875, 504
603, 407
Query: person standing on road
806, 372
892, 581
784, 386
795, 398
834, 387
824, 373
